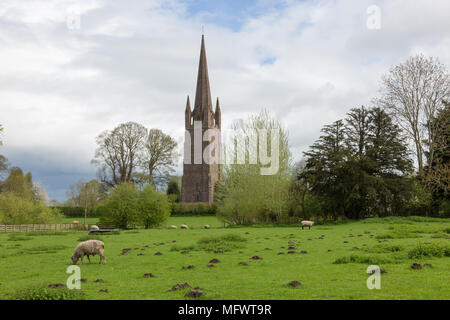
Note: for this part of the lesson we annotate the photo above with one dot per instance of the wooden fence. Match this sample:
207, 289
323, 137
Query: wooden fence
37, 227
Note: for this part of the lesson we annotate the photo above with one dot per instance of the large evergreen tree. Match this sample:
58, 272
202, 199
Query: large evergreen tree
359, 167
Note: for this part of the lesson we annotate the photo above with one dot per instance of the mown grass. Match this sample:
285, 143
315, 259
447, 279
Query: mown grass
329, 260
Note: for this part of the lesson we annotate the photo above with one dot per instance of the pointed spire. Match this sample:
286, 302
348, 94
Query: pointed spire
203, 92
188, 105
217, 115
188, 113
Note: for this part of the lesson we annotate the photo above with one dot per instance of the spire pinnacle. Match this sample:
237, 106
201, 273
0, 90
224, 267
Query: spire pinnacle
188, 105
203, 92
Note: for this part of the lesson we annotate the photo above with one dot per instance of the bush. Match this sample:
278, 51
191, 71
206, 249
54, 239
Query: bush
191, 209
121, 208
76, 212
173, 190
154, 207
42, 293
226, 242
17, 210
127, 207
429, 250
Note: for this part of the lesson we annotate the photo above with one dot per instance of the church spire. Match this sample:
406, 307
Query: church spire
203, 93
188, 113
217, 115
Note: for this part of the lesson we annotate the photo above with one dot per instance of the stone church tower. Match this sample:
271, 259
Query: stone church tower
202, 142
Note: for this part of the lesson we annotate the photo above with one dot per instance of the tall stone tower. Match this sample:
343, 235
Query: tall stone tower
202, 146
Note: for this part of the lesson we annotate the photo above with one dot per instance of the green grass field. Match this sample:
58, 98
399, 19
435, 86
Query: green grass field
333, 267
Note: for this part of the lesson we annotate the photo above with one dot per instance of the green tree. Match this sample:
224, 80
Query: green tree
252, 191
19, 184
122, 207
361, 167
437, 172
154, 207
173, 190
326, 170
16, 209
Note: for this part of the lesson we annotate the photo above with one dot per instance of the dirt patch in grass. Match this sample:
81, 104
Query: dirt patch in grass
180, 286
149, 275
294, 284
194, 294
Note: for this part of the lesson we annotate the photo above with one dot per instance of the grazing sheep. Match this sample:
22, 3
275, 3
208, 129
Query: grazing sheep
94, 227
89, 248
207, 226
183, 226
173, 227
307, 223
75, 222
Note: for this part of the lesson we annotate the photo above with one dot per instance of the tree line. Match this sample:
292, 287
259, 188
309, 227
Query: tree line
22, 200
389, 159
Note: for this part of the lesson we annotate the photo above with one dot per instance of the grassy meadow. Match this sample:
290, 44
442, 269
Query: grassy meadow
329, 261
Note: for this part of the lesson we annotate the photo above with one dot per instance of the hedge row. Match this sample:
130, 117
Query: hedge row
181, 209
177, 209
76, 212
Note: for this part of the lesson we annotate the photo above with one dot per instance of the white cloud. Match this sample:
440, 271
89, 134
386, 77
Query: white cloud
137, 61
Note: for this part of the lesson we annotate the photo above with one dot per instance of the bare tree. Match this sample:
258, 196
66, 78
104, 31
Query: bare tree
118, 153
413, 92
159, 155
3, 160
40, 194
86, 194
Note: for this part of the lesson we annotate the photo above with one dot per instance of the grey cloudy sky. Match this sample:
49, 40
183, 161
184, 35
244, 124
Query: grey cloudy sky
308, 62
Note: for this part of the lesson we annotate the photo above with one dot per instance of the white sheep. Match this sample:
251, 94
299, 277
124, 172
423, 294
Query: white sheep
307, 223
94, 227
183, 226
207, 226
173, 227
89, 248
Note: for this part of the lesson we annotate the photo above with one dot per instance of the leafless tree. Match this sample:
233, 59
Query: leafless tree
3, 160
40, 194
86, 194
118, 153
413, 92
159, 155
